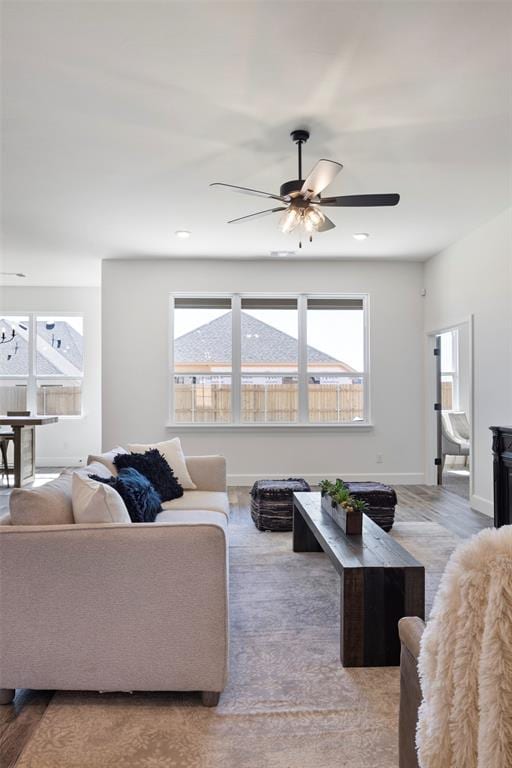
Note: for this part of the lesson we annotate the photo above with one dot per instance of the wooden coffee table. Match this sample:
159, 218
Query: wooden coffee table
380, 582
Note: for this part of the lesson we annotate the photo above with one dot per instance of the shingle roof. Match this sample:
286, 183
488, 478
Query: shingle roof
14, 355
261, 343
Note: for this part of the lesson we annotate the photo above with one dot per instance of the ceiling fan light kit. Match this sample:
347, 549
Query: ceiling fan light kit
301, 198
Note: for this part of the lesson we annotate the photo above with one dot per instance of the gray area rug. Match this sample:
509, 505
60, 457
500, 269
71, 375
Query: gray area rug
288, 704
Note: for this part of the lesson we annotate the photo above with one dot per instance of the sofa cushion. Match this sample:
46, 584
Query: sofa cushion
207, 472
50, 504
107, 459
193, 517
96, 502
214, 501
173, 454
155, 468
142, 501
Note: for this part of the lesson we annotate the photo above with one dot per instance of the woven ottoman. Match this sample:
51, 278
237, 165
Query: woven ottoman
381, 500
272, 503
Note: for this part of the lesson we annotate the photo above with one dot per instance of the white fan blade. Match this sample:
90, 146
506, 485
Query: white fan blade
324, 172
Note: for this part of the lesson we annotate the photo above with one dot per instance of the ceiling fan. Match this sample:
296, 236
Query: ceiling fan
301, 199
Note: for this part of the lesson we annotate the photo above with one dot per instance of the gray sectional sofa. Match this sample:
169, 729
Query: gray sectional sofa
114, 606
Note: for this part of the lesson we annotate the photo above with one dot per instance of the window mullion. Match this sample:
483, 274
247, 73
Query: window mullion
236, 361
32, 373
172, 397
302, 305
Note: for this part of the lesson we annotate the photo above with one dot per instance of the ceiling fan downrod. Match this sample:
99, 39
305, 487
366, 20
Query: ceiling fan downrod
300, 136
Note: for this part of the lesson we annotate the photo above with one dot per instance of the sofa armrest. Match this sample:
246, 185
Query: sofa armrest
410, 630
208, 472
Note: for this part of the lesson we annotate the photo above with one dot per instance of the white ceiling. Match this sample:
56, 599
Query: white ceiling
117, 115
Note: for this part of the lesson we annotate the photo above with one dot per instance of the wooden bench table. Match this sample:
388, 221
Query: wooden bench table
380, 582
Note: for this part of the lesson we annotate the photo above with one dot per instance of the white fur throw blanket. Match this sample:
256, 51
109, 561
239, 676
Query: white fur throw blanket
465, 662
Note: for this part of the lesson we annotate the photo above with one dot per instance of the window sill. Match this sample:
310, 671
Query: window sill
205, 427
64, 417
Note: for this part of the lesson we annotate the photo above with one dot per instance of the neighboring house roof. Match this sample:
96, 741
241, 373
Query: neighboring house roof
261, 344
51, 358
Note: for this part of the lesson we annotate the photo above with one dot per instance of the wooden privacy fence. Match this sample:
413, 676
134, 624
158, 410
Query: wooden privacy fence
59, 401
337, 402
52, 400
13, 398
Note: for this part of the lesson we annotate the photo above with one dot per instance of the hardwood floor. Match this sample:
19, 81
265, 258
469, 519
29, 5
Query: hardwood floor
18, 721
415, 503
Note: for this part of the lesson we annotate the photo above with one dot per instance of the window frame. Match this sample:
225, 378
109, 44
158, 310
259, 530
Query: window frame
302, 363
32, 377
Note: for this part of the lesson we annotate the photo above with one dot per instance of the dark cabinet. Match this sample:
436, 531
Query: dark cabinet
502, 452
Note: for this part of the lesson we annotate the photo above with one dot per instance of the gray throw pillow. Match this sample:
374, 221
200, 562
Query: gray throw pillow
50, 504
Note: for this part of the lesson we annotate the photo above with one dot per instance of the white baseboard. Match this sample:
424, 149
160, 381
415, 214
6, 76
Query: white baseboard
404, 478
60, 461
482, 505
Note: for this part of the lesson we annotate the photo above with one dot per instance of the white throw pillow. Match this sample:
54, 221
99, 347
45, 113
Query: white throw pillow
173, 454
107, 459
95, 502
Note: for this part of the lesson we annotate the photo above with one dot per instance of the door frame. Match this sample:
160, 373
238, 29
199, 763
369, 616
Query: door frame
430, 399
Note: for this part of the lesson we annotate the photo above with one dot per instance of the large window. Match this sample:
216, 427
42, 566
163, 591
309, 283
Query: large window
41, 364
248, 359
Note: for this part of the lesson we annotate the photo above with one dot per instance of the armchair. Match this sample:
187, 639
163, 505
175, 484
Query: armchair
455, 434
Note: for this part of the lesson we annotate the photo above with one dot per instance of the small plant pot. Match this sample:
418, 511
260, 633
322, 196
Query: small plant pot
350, 522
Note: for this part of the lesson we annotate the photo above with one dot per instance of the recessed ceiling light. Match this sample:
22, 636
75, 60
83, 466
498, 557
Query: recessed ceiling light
182, 233
360, 235
282, 254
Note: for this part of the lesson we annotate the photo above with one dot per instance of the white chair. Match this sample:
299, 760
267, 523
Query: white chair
455, 433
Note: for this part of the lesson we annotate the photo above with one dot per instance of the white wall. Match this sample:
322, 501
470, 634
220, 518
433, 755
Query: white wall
464, 363
70, 440
135, 301
474, 277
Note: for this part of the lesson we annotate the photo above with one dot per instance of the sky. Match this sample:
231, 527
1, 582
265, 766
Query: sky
339, 333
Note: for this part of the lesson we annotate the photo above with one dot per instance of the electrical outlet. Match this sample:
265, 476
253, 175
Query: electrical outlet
379, 458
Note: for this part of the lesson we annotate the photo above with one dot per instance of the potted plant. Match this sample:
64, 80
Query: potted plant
345, 509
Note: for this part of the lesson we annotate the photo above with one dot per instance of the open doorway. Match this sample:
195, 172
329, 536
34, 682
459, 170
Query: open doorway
453, 408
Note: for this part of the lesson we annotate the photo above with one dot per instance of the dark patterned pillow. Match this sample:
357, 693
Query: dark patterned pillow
153, 466
141, 500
